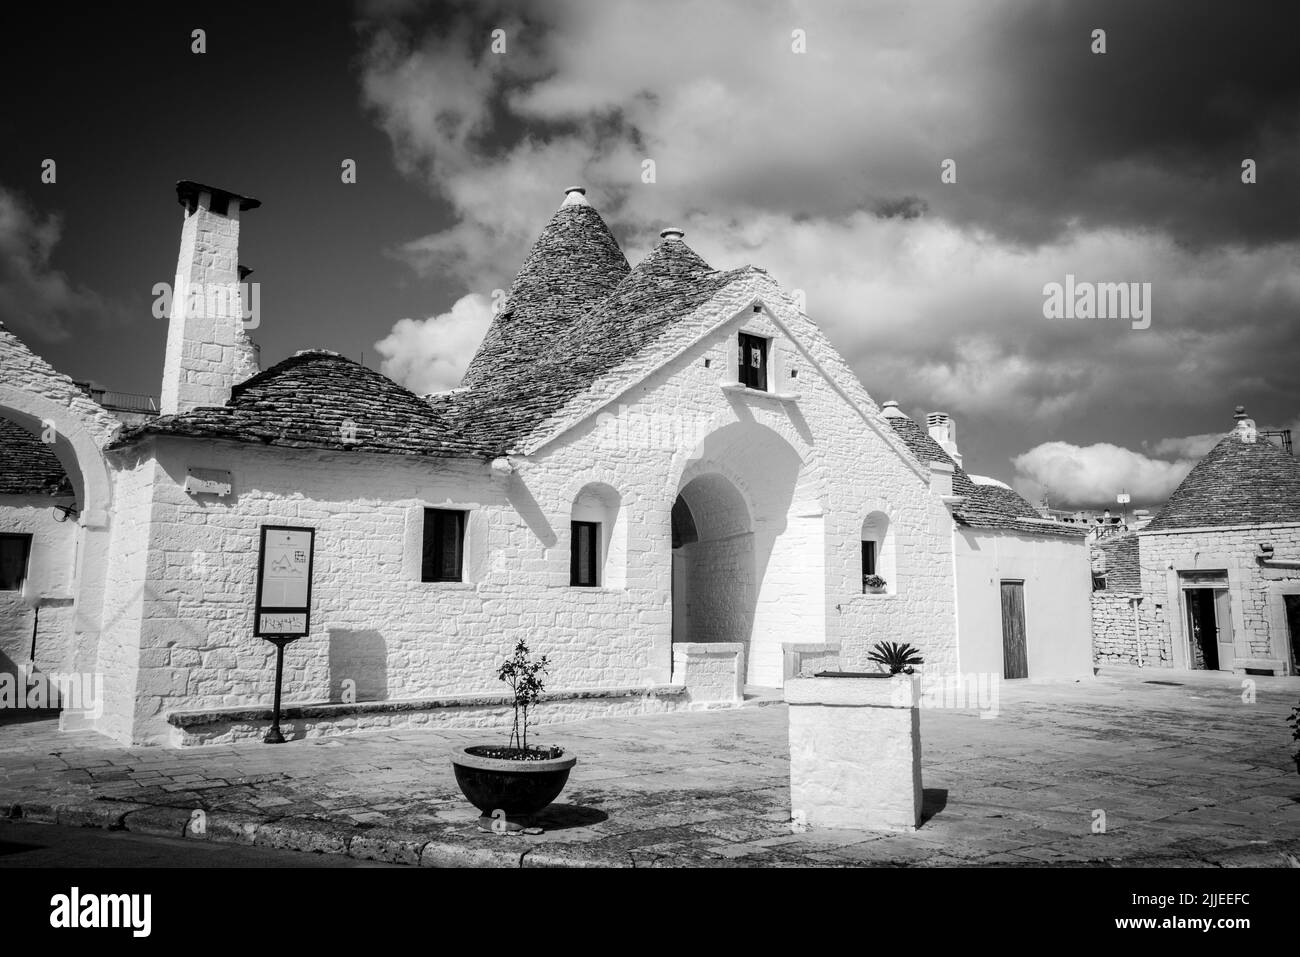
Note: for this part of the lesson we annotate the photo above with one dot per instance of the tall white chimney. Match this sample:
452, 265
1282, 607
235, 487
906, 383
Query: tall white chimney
208, 349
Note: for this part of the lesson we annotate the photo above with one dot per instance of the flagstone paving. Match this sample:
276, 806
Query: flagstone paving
1185, 774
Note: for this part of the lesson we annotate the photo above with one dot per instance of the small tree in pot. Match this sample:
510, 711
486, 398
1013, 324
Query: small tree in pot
511, 783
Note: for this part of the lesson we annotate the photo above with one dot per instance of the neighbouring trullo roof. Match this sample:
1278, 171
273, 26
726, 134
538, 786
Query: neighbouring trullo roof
27, 465
1244, 480
1121, 567
573, 313
985, 506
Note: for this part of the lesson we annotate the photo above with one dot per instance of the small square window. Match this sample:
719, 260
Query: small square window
752, 372
443, 552
585, 555
14, 550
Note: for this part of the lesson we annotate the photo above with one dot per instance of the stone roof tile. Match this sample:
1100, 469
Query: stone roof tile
321, 400
27, 465
986, 506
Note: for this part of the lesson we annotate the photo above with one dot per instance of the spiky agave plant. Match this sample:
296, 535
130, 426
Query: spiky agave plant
898, 657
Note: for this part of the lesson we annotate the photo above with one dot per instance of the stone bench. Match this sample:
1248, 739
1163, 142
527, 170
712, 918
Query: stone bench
494, 711
712, 673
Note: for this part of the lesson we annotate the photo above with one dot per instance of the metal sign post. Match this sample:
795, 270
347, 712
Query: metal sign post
283, 612
273, 736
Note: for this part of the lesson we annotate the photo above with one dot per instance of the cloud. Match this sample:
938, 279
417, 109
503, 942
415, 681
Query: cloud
430, 355
1092, 475
824, 168
35, 298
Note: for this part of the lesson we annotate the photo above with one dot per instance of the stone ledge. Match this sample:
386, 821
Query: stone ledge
708, 647
329, 709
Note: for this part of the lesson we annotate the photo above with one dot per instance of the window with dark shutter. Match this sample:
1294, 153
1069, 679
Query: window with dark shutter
753, 362
444, 545
868, 562
585, 554
14, 550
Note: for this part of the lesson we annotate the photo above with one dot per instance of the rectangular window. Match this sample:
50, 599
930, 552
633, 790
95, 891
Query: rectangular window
585, 552
444, 545
868, 562
14, 550
753, 362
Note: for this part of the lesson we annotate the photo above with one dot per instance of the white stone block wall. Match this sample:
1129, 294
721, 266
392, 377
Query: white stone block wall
810, 468
1057, 588
50, 571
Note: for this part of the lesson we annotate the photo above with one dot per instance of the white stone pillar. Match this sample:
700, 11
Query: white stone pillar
855, 752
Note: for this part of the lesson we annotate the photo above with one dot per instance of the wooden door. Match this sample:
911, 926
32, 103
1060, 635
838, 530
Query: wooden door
1223, 624
1015, 661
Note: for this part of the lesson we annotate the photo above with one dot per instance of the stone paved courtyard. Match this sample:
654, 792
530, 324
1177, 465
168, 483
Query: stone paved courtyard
1185, 772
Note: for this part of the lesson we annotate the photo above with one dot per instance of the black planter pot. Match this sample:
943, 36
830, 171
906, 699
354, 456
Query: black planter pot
517, 789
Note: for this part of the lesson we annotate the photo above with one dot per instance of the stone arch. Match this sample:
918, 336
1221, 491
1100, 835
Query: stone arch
756, 572
49, 404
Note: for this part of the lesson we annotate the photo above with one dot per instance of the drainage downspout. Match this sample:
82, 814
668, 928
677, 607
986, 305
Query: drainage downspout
1137, 629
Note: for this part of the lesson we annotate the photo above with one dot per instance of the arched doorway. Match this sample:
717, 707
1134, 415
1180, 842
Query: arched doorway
748, 548
714, 580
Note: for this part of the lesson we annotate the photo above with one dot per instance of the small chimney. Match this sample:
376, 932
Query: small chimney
890, 410
672, 232
575, 196
1245, 430
208, 349
944, 431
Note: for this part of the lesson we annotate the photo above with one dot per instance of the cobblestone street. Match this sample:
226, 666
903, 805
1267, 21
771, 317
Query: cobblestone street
1183, 770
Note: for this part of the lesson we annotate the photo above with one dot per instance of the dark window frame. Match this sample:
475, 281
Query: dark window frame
869, 561
433, 561
747, 374
591, 572
25, 571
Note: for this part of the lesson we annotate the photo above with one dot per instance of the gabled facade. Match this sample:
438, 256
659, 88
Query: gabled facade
1213, 582
660, 476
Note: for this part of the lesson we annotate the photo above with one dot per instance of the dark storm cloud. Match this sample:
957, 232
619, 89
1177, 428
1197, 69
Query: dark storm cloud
1151, 133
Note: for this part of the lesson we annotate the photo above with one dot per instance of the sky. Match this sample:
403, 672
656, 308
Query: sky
809, 138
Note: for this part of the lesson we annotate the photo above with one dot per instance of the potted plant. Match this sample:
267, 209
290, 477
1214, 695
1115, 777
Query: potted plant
874, 585
1294, 721
512, 782
898, 657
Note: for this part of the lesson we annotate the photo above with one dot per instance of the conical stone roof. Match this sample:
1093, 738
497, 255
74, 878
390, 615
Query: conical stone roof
1244, 480
574, 264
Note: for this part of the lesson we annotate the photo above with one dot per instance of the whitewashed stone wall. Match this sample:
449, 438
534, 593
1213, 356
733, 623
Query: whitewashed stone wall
1058, 615
854, 465
48, 403
809, 468
50, 571
1259, 630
